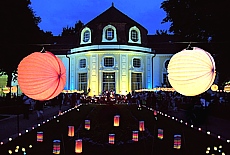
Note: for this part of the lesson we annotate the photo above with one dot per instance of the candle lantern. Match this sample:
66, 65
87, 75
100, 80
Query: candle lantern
141, 126
111, 138
41, 75
70, 131
78, 146
56, 147
155, 113
116, 120
40, 136
177, 141
135, 136
87, 124
191, 72
160, 133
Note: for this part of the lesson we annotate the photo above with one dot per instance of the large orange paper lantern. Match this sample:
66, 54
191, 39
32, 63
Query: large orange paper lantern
41, 76
191, 72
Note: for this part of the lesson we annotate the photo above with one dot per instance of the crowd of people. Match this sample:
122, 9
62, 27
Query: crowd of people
159, 100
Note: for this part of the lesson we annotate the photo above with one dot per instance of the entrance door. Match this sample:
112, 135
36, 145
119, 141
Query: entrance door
108, 81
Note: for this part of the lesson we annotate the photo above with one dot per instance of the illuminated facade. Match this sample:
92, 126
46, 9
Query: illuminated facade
113, 53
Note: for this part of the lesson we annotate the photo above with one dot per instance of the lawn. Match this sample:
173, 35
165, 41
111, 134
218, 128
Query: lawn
95, 141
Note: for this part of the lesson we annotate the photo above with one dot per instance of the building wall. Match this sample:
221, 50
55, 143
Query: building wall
123, 69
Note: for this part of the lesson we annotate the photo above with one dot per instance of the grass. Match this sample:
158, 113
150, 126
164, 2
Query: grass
95, 140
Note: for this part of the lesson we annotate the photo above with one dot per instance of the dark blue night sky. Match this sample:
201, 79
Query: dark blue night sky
56, 14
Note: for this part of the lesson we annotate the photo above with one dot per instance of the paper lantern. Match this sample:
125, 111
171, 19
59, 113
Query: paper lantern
40, 136
191, 72
177, 142
56, 147
214, 87
141, 126
70, 131
87, 124
41, 76
78, 146
135, 136
116, 120
111, 138
160, 133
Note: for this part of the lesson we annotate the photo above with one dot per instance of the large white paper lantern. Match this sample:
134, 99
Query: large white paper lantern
191, 72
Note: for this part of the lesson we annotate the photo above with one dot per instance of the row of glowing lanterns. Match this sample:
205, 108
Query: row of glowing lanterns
177, 138
40, 133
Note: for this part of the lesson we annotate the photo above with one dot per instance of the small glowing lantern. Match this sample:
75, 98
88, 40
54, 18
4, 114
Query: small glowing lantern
78, 146
135, 136
111, 138
160, 133
214, 87
191, 72
40, 136
87, 124
116, 120
41, 76
141, 126
155, 113
56, 147
177, 141
70, 131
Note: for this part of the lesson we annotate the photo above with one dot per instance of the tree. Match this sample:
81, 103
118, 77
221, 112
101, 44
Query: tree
162, 32
19, 34
202, 21
66, 31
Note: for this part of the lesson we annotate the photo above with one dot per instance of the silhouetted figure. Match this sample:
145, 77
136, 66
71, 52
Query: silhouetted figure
26, 106
39, 107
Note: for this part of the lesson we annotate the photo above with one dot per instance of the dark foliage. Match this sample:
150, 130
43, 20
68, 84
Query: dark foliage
202, 21
19, 34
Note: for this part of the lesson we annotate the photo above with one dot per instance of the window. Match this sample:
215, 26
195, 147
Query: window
165, 80
134, 35
109, 34
82, 63
166, 64
136, 63
86, 36
108, 62
82, 81
136, 81
108, 81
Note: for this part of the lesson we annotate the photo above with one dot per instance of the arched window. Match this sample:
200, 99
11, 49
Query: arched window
109, 34
86, 36
134, 35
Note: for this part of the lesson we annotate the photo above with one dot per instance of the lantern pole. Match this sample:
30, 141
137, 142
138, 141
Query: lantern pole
68, 70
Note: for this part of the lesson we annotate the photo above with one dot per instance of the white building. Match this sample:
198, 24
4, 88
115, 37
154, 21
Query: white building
113, 52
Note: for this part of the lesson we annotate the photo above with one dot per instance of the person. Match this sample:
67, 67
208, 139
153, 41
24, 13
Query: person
78, 98
73, 99
129, 97
39, 107
60, 100
26, 109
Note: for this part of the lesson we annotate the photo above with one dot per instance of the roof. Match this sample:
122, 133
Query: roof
113, 15
165, 44
61, 44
